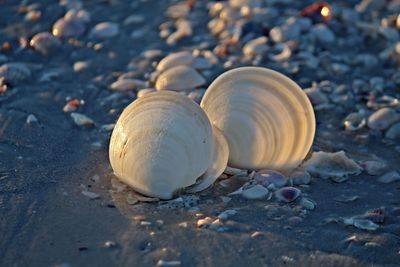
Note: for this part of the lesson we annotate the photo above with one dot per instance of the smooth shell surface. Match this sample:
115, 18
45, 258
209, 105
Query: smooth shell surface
179, 78
266, 117
162, 142
218, 163
175, 59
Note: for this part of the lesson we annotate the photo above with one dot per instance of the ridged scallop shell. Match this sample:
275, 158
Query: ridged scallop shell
218, 163
265, 116
175, 59
161, 143
179, 78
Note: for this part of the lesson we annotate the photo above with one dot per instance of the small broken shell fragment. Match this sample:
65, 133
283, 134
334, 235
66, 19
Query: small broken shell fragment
179, 78
336, 166
152, 129
287, 194
265, 116
175, 59
218, 163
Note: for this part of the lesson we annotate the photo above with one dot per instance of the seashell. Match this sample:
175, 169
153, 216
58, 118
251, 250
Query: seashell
383, 119
336, 166
78, 14
255, 47
143, 92
183, 29
104, 30
354, 121
266, 117
179, 78
267, 177
300, 177
196, 95
44, 43
175, 59
126, 85
66, 28
161, 143
178, 10
15, 72
255, 192
287, 194
218, 163
80, 66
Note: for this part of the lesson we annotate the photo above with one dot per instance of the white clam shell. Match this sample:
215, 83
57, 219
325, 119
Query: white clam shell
175, 59
161, 143
179, 78
266, 118
218, 163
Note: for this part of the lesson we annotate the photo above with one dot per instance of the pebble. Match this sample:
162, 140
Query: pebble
226, 214
80, 66
307, 203
394, 132
389, 177
90, 195
300, 177
322, 33
105, 30
374, 167
110, 244
81, 120
383, 119
255, 192
164, 263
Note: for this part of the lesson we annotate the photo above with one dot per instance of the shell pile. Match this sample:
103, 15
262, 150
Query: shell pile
250, 118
